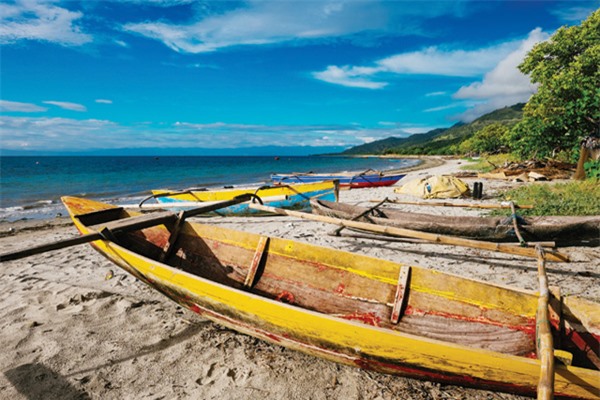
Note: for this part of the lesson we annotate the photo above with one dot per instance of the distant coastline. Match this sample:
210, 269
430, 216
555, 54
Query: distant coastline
424, 162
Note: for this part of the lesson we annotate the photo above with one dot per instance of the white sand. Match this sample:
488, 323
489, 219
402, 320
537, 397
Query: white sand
67, 332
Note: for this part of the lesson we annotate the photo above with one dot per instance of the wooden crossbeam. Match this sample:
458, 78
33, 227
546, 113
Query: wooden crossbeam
258, 256
401, 290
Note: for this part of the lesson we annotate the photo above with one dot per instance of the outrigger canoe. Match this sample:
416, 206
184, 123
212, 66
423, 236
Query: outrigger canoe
351, 308
555, 228
364, 179
296, 197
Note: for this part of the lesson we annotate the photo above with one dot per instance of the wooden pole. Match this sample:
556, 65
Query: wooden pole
122, 225
446, 204
544, 345
408, 240
431, 237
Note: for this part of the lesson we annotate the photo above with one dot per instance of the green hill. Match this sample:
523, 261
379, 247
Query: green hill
440, 141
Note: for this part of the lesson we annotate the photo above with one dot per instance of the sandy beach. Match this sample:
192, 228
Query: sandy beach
75, 326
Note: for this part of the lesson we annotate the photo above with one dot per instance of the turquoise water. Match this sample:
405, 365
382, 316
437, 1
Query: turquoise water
31, 187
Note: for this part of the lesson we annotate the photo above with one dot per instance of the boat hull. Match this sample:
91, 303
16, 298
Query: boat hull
295, 197
358, 338
555, 228
350, 181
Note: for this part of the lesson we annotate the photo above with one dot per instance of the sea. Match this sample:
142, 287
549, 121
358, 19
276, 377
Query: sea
31, 187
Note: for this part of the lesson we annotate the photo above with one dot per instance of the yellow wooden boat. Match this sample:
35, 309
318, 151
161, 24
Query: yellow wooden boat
350, 308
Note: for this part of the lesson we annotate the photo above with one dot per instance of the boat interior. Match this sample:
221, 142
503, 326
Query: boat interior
405, 299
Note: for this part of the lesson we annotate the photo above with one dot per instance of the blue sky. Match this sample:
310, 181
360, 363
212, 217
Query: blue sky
80, 76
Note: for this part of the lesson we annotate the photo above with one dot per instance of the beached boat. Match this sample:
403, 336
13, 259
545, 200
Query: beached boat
556, 228
295, 197
350, 308
364, 179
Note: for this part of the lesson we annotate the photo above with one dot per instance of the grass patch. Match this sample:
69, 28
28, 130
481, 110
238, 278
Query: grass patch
488, 163
572, 198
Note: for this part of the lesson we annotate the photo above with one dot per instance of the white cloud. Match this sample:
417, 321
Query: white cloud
443, 108
15, 106
66, 105
40, 20
573, 14
80, 135
432, 94
429, 61
348, 76
160, 3
438, 61
504, 85
104, 101
56, 133
258, 22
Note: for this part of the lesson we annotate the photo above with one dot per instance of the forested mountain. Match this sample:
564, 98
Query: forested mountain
440, 141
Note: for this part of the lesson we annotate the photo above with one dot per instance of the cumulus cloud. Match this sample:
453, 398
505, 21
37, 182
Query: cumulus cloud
429, 61
266, 22
79, 135
504, 85
40, 20
16, 106
67, 106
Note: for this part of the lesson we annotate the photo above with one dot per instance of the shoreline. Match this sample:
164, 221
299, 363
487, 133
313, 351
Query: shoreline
93, 330
51, 209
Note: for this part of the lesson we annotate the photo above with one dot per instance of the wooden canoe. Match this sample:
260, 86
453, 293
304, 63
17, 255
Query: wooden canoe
353, 309
296, 196
350, 180
553, 228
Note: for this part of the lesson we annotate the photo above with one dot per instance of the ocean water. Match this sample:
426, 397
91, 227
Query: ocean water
31, 187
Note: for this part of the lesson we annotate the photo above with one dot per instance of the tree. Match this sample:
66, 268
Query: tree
489, 139
566, 107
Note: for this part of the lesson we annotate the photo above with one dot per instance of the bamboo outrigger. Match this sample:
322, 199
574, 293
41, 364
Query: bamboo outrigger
354, 309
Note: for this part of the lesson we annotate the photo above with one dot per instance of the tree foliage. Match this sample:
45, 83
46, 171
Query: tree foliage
566, 106
490, 139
